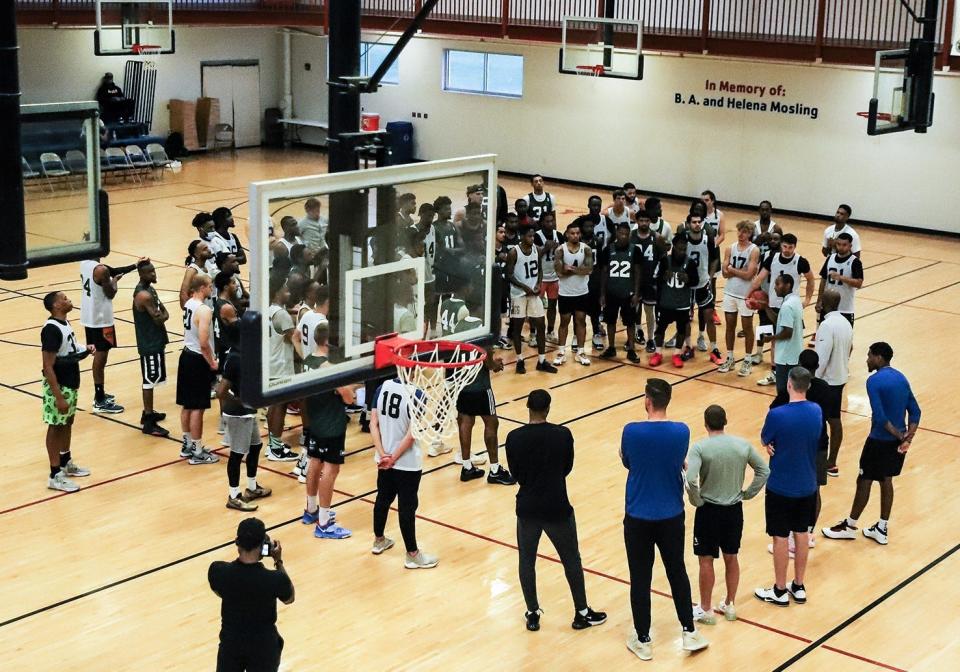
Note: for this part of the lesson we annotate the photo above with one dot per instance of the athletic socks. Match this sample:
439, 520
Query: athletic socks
311, 503
323, 516
98, 394
187, 438
64, 459
583, 612
251, 483
275, 444
851, 522
234, 492
54, 471
494, 467
562, 349
541, 358
779, 592
882, 524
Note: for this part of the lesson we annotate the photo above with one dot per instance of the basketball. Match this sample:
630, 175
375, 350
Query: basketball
757, 300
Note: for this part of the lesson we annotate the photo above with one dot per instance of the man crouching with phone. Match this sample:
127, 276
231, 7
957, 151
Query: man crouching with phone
249, 640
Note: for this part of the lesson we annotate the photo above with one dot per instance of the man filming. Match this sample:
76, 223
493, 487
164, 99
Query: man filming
249, 640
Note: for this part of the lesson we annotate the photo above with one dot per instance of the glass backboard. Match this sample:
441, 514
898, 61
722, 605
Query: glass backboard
386, 246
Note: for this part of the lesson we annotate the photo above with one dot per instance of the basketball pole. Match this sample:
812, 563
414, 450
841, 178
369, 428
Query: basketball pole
13, 252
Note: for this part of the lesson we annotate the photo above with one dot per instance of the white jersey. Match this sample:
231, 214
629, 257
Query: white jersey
218, 244
96, 310
574, 285
615, 219
203, 271
429, 254
758, 228
831, 232
287, 244
526, 270
307, 329
191, 332
712, 220
393, 417
780, 266
662, 228
739, 259
546, 256
68, 343
847, 292
281, 352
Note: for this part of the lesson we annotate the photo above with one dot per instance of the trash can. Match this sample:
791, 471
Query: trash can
401, 141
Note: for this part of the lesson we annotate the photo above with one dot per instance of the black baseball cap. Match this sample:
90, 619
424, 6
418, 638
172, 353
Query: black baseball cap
250, 533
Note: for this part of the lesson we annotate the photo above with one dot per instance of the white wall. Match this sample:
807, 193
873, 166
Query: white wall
59, 65
609, 131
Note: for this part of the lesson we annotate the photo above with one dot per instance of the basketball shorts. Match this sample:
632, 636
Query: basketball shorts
717, 528
880, 460
735, 304
703, 297
104, 338
789, 514
668, 316
153, 370
193, 381
522, 307
648, 294
477, 403
574, 304
550, 289
52, 415
329, 449
622, 307
768, 317
240, 433
833, 400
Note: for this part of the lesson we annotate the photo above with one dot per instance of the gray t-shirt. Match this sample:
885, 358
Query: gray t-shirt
313, 232
715, 470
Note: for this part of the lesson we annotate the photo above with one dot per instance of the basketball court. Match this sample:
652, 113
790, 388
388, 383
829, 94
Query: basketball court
113, 577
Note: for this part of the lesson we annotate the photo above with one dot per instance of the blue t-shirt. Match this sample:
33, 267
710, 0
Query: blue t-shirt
794, 430
890, 399
654, 452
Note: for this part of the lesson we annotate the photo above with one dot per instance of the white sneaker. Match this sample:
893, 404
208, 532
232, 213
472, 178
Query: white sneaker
770, 595
769, 379
437, 448
474, 459
559, 359
532, 342
727, 366
840, 531
701, 344
552, 338
798, 593
728, 610
62, 483
75, 470
583, 359
381, 545
874, 532
203, 456
705, 617
745, 369
642, 650
672, 343
597, 342
420, 561
694, 641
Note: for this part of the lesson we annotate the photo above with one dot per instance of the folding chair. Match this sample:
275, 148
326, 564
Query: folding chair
76, 163
52, 167
30, 176
137, 159
158, 156
117, 158
222, 136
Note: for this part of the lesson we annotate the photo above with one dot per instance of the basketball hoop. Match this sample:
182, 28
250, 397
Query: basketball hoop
881, 116
433, 374
145, 49
591, 70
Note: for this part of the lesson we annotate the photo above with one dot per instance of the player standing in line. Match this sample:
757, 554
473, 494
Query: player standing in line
619, 212
649, 249
449, 246
198, 253
702, 250
784, 261
574, 264
291, 236
740, 264
840, 225
833, 347
399, 469
715, 472
61, 383
548, 240
475, 198
894, 419
539, 201
98, 287
657, 223
675, 277
842, 270
149, 317
525, 274
502, 287
221, 240
713, 220
633, 205
764, 228
619, 264
767, 317
283, 344
196, 370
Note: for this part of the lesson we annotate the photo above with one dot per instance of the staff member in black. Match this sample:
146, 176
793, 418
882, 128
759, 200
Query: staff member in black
249, 641
543, 452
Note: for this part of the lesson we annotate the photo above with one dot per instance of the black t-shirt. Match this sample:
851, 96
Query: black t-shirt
249, 595
540, 456
66, 369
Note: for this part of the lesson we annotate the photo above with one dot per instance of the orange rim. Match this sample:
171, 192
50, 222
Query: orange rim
404, 353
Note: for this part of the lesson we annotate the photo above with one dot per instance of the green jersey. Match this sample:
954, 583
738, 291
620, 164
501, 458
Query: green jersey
327, 413
618, 267
152, 338
452, 312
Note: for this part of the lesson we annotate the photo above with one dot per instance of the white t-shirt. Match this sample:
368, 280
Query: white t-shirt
393, 416
834, 337
831, 232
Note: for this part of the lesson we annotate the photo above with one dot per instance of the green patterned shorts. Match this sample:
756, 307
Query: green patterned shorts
51, 416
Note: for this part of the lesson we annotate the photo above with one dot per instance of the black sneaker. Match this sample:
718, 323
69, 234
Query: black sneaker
156, 417
609, 353
521, 367
471, 473
153, 429
354, 408
533, 620
588, 620
651, 346
687, 354
546, 367
364, 423
502, 477
633, 356
640, 336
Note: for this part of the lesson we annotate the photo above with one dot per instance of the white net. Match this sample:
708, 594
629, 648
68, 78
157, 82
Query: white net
434, 373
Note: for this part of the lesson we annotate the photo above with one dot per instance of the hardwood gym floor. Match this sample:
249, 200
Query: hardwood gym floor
114, 576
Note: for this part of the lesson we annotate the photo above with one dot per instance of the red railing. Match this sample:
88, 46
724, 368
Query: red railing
831, 30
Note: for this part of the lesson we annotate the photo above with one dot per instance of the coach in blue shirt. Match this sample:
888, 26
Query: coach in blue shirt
654, 453
894, 418
791, 435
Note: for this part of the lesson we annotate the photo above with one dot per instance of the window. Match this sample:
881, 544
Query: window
372, 55
480, 72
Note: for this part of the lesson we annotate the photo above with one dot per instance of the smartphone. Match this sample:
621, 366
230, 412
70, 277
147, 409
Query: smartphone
266, 547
